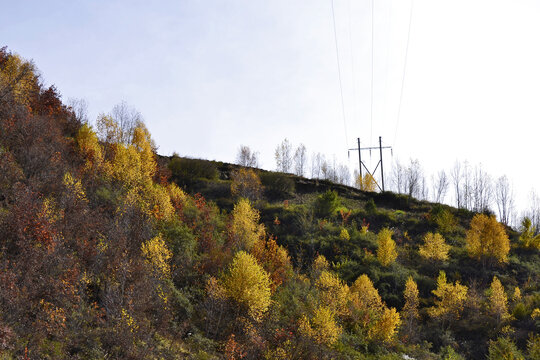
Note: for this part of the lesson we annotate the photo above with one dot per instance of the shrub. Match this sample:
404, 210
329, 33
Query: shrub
277, 185
185, 172
327, 203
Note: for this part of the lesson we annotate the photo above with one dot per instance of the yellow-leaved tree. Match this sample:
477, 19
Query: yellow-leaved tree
528, 238
245, 229
157, 254
18, 77
321, 327
498, 301
369, 314
248, 285
434, 247
409, 313
333, 293
386, 251
246, 184
487, 239
90, 149
450, 299
366, 183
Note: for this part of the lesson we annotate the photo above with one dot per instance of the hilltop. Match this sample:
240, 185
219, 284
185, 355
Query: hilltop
108, 250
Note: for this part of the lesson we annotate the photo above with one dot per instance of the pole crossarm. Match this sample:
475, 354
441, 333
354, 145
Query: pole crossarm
361, 163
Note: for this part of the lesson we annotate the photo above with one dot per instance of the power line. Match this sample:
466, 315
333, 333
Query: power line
404, 72
372, 66
339, 76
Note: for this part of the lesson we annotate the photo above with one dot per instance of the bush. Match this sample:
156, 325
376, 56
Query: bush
370, 206
326, 204
277, 185
185, 172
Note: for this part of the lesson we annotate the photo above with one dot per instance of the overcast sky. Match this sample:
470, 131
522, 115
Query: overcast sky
210, 75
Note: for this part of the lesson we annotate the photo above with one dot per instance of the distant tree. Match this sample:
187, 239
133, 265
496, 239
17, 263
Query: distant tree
440, 186
246, 183
434, 247
366, 183
399, 178
316, 165
456, 183
80, 109
498, 301
482, 190
504, 198
533, 211
127, 119
487, 238
248, 284
246, 157
300, 160
283, 155
386, 250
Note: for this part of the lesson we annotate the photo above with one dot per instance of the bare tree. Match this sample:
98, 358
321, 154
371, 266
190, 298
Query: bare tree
504, 196
80, 109
246, 157
455, 174
440, 185
127, 118
316, 163
283, 156
343, 174
482, 190
414, 179
399, 178
533, 212
300, 160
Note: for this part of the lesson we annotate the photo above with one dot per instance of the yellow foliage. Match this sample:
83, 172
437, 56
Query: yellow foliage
274, 259
144, 145
410, 309
245, 229
386, 326
74, 186
498, 302
366, 183
108, 129
450, 298
322, 327
18, 77
90, 148
158, 201
248, 284
157, 254
344, 235
333, 292
527, 238
487, 238
214, 289
535, 314
370, 313
517, 294
129, 321
386, 252
246, 183
320, 264
434, 247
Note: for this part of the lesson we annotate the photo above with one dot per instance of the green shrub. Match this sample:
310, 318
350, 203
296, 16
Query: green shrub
277, 185
370, 206
326, 204
185, 172
443, 218
503, 349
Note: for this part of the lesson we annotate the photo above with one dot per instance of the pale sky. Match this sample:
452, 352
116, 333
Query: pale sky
211, 75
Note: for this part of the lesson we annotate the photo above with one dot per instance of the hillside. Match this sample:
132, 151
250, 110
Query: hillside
110, 251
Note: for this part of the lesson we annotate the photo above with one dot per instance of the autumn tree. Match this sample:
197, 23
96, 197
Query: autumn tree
245, 229
450, 299
366, 183
487, 238
504, 197
322, 326
386, 250
409, 313
434, 247
528, 238
498, 301
333, 292
246, 157
274, 259
248, 284
369, 313
246, 184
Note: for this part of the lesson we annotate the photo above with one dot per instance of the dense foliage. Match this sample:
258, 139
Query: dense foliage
109, 251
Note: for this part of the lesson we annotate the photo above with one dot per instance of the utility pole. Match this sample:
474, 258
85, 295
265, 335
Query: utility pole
361, 163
